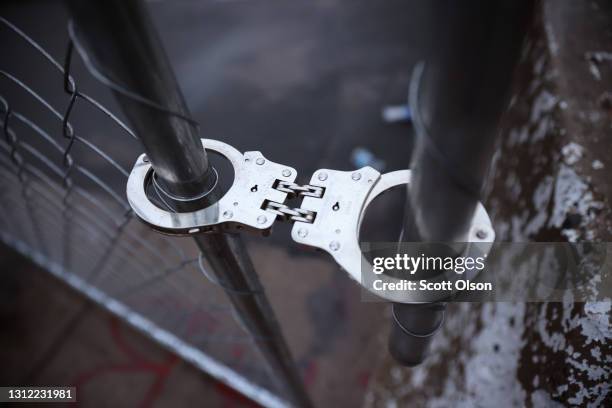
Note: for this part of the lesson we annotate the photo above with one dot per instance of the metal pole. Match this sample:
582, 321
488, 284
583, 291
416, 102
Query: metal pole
457, 98
128, 53
132, 62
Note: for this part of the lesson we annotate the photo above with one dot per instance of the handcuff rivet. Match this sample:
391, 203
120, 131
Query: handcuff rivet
227, 214
261, 219
322, 176
334, 245
286, 173
481, 234
302, 232
356, 176
260, 161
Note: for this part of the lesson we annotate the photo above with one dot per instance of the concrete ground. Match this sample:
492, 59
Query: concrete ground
51, 335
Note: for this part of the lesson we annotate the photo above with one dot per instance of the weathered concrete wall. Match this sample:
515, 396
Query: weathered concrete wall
551, 181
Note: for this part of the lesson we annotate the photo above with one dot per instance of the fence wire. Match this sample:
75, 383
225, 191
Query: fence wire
63, 204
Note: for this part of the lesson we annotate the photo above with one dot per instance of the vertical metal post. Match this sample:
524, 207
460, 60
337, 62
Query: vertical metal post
457, 98
129, 55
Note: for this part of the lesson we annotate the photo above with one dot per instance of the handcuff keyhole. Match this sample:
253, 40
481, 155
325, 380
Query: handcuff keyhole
254, 188
336, 207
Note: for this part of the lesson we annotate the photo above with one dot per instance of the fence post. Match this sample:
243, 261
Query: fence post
131, 60
457, 98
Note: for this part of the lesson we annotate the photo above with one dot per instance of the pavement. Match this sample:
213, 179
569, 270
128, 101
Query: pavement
51, 336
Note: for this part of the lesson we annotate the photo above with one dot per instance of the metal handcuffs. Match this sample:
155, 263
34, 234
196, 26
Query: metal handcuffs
336, 218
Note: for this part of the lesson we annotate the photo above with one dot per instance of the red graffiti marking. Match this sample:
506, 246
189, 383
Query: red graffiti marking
136, 363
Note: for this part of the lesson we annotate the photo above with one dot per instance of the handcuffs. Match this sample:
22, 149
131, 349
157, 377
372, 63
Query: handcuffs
329, 217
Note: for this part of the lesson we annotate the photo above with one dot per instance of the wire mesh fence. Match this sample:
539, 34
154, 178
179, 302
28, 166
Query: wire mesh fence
64, 163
